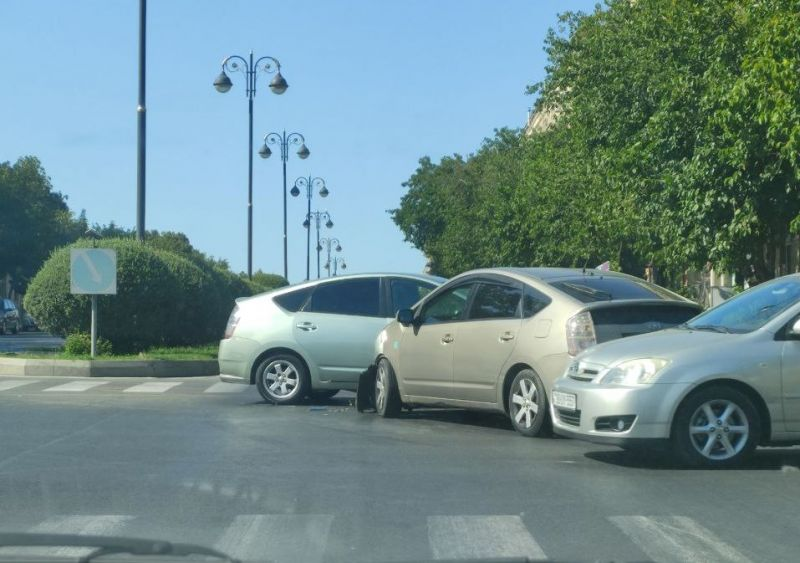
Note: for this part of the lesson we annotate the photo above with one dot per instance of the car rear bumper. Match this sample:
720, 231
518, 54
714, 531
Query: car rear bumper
644, 414
235, 359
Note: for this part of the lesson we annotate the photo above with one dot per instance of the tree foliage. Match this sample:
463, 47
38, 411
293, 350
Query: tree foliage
677, 141
34, 219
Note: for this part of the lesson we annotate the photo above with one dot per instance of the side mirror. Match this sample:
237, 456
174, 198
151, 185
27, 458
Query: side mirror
794, 331
405, 317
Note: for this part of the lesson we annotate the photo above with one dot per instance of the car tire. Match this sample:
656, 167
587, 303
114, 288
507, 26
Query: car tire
387, 395
528, 405
282, 379
728, 438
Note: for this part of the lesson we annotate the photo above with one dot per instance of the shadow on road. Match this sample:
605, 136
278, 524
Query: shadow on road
770, 459
461, 417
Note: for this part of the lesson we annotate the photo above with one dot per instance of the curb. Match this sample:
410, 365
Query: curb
106, 368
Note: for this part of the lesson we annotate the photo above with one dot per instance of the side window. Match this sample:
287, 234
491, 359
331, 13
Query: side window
351, 297
533, 301
406, 292
447, 307
293, 300
496, 301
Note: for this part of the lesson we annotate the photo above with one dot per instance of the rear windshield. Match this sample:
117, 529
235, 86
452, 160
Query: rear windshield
589, 289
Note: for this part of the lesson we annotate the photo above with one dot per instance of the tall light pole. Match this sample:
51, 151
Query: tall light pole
141, 122
309, 184
328, 243
318, 217
338, 261
284, 140
278, 85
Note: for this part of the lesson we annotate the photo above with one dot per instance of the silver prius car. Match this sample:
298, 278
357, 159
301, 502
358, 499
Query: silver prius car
496, 339
314, 337
712, 389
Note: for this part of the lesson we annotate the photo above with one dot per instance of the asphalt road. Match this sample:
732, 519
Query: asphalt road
213, 464
29, 341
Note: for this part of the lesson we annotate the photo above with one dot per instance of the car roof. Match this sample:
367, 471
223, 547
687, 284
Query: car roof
311, 283
548, 274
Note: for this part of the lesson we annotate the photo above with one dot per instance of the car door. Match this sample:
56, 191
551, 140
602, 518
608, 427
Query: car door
790, 374
426, 348
486, 339
338, 325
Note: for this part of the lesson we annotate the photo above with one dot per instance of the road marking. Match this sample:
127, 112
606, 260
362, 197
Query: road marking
274, 537
6, 385
76, 386
475, 537
222, 387
152, 387
676, 538
99, 524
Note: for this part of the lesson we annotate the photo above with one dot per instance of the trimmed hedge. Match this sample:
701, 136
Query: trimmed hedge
163, 299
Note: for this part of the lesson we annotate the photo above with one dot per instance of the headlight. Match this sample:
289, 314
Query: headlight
635, 372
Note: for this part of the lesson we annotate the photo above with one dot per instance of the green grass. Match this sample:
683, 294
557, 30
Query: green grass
205, 352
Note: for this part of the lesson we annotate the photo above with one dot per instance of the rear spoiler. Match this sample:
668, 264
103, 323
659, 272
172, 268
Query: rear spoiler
619, 303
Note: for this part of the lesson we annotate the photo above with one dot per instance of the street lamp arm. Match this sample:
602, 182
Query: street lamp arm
231, 64
295, 139
270, 65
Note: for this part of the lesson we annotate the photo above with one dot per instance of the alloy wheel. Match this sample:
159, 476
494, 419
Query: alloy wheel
281, 379
719, 429
525, 403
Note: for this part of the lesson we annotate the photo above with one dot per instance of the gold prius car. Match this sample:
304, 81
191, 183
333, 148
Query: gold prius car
496, 339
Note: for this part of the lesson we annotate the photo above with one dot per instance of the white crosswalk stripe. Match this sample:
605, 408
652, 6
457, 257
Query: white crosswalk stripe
274, 537
222, 387
76, 386
676, 538
475, 537
98, 524
153, 387
14, 383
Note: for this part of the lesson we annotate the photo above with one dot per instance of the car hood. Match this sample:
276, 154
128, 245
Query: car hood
667, 344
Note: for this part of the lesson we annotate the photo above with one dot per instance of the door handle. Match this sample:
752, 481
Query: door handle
447, 339
308, 327
506, 336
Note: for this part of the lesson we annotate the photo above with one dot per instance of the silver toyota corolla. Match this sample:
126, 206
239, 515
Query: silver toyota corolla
712, 389
496, 339
315, 336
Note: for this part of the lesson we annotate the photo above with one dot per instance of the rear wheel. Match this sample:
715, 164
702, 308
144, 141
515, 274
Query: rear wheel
527, 404
716, 427
387, 396
282, 379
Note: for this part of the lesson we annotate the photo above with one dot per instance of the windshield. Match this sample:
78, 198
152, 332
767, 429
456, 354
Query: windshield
752, 309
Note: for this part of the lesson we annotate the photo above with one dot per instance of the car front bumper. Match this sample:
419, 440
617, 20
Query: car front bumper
643, 413
235, 359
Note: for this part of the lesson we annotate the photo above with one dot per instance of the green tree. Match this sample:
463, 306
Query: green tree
34, 220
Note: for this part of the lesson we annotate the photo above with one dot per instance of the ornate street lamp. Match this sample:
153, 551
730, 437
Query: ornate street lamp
278, 85
308, 184
318, 216
329, 243
284, 141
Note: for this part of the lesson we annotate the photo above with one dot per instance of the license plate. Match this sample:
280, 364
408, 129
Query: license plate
566, 401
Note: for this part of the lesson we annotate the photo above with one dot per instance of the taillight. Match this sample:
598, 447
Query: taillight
233, 320
580, 333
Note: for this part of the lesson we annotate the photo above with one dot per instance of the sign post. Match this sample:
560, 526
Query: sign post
93, 271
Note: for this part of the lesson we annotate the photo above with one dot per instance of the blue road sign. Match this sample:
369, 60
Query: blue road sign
93, 271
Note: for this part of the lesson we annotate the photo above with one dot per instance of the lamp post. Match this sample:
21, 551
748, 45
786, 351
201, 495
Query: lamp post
309, 184
328, 243
278, 85
284, 140
318, 217
338, 261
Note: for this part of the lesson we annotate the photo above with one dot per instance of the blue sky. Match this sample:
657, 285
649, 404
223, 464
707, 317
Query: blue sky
373, 85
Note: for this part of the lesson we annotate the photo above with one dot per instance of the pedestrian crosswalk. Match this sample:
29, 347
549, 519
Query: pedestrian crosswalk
315, 537
142, 386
